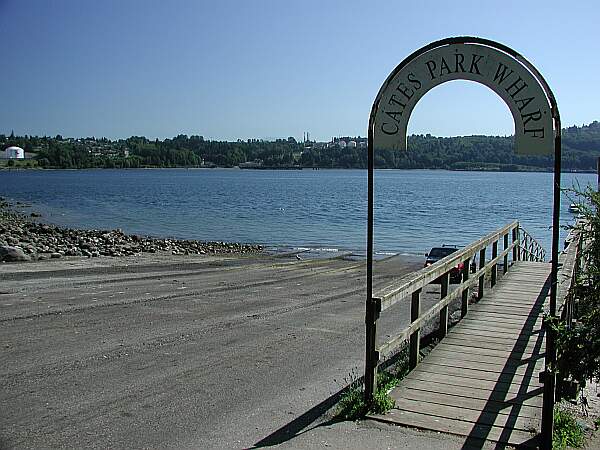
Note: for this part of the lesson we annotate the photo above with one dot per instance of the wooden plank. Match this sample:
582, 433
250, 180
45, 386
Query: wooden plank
454, 380
516, 311
529, 288
474, 352
503, 315
498, 394
509, 303
495, 368
501, 326
482, 332
512, 300
538, 281
499, 342
506, 320
535, 322
517, 361
491, 316
473, 373
532, 411
511, 420
517, 333
515, 300
459, 427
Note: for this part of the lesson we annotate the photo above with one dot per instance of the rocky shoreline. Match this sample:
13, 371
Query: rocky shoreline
23, 239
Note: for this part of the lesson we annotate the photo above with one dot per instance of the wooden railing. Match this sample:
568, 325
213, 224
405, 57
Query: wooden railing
569, 262
508, 235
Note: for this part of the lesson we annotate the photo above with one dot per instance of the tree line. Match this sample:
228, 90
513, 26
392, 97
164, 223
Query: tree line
581, 148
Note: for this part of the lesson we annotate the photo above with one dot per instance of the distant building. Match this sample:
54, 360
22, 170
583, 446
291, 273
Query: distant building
14, 152
257, 163
352, 144
341, 144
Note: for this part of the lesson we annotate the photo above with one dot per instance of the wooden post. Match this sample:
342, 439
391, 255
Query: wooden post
515, 238
372, 355
443, 330
505, 269
482, 276
465, 293
495, 265
415, 337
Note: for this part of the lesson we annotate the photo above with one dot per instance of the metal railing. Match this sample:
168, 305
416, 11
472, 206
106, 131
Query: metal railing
412, 287
530, 248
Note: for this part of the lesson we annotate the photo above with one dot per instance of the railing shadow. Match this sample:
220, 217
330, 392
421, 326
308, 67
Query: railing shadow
300, 425
498, 401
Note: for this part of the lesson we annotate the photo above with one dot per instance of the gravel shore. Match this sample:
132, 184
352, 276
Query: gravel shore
24, 239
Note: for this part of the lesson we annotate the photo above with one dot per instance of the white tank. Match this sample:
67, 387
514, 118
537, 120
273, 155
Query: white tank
15, 153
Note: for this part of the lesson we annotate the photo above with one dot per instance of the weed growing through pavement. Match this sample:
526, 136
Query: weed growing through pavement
352, 404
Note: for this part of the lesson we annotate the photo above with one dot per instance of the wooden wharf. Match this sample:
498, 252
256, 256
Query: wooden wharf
484, 380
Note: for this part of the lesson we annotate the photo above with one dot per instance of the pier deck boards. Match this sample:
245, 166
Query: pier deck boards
482, 380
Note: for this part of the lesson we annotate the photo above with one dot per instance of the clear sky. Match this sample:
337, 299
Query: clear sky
271, 68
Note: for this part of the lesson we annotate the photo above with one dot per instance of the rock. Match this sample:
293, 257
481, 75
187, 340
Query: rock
17, 230
34, 214
12, 254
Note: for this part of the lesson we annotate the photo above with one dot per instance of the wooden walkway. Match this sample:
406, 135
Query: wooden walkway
482, 380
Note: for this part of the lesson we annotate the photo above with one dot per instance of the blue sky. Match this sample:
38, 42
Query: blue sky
273, 68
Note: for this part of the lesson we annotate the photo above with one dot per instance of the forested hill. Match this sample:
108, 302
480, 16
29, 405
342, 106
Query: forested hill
581, 148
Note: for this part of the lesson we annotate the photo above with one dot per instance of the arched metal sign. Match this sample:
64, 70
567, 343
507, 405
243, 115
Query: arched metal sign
506, 76
537, 131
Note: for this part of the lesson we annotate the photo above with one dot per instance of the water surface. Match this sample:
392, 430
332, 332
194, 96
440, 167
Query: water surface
312, 209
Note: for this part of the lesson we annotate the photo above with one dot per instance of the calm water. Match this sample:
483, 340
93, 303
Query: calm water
324, 209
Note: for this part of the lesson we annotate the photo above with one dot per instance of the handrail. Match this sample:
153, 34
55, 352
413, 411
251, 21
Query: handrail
531, 247
570, 263
390, 295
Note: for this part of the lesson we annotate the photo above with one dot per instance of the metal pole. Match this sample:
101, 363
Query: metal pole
598, 172
550, 374
370, 331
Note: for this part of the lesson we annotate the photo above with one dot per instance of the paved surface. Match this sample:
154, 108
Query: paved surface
178, 353
482, 381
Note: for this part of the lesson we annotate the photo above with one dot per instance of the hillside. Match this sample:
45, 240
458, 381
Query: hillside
581, 148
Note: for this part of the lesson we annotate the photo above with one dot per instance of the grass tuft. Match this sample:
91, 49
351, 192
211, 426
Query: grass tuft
352, 404
567, 432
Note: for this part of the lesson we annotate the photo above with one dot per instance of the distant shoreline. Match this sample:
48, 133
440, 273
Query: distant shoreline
479, 169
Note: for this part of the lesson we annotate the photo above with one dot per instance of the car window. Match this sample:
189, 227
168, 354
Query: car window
440, 252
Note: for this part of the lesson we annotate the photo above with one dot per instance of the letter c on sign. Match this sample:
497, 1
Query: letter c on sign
389, 132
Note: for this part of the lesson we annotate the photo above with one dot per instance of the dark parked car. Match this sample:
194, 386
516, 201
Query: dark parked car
437, 253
